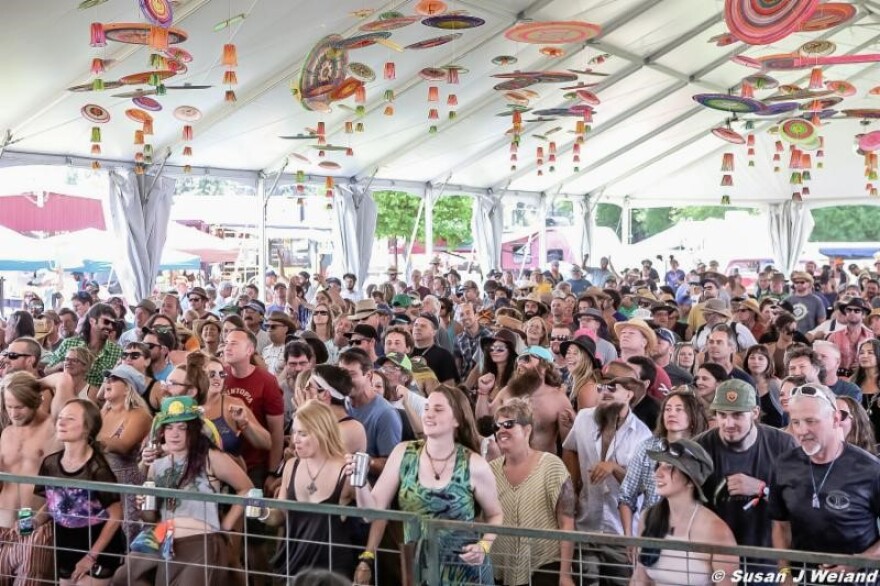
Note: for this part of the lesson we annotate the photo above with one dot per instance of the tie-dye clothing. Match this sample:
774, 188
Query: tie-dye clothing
456, 502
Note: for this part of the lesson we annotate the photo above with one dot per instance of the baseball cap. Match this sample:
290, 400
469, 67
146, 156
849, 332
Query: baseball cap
665, 334
129, 375
538, 352
734, 395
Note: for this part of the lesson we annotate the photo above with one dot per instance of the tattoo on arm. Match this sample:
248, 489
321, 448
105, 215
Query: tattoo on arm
566, 501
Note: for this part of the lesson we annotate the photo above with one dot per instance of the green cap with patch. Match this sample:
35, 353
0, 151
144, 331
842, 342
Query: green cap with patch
734, 395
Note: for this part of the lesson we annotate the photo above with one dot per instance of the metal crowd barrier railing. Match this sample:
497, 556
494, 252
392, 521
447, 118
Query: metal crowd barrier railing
591, 565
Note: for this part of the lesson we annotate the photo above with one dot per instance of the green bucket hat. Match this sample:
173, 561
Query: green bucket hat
181, 409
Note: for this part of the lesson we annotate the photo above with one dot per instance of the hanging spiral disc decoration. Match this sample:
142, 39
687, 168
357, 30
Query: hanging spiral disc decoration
746, 61
817, 48
147, 103
797, 131
95, 113
361, 41
588, 97
728, 135
138, 33
433, 74
187, 113
180, 55
820, 104
866, 113
504, 60
158, 12
435, 42
553, 32
138, 115
453, 22
778, 108
388, 24
723, 40
333, 165
762, 82
362, 72
324, 69
346, 89
829, 15
870, 141
761, 22
144, 77
88, 87
728, 103
514, 84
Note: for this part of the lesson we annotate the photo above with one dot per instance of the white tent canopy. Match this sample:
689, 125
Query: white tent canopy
646, 127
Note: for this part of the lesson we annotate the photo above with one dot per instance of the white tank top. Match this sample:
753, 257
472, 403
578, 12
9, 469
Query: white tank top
680, 568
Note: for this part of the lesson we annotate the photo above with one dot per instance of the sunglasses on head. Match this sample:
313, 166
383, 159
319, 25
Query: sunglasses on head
506, 424
131, 355
808, 391
675, 449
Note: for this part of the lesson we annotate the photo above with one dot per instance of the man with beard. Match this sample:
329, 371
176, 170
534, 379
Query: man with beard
596, 453
809, 308
24, 442
468, 341
95, 333
538, 380
744, 453
837, 510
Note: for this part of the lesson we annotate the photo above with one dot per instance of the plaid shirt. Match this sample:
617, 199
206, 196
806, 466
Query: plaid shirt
105, 360
469, 346
639, 479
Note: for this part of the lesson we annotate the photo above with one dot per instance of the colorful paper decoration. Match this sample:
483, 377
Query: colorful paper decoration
435, 42
829, 15
728, 135
453, 22
761, 22
729, 103
553, 32
157, 12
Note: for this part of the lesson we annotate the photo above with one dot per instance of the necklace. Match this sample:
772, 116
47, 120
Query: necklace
312, 488
445, 461
815, 502
70, 464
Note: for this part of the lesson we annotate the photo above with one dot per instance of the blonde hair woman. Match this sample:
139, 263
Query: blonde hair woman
315, 475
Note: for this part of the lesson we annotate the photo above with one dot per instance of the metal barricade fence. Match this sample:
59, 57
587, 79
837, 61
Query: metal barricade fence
598, 558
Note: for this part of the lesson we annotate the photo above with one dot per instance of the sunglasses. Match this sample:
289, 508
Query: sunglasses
276, 326
321, 312
607, 388
72, 359
104, 322
675, 449
507, 424
853, 310
799, 282
152, 345
359, 341
14, 355
169, 384
194, 299
497, 348
809, 391
559, 338
132, 355
524, 358
221, 374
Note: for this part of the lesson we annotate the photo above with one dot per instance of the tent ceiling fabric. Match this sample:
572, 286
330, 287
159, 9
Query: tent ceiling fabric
649, 141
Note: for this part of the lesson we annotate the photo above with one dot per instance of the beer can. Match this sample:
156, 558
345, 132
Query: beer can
25, 521
254, 507
149, 503
361, 466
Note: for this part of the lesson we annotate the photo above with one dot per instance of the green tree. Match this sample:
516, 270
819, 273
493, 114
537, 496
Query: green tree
846, 224
608, 216
398, 211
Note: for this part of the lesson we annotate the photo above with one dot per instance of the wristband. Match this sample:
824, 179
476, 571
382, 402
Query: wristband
367, 556
485, 546
92, 557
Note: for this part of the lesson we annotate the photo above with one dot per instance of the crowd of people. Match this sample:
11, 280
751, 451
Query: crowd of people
685, 406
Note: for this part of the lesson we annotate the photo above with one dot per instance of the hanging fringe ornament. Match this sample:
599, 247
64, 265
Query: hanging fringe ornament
432, 129
97, 36
161, 90
230, 56
452, 76
725, 200
154, 80
98, 85
433, 114
750, 125
540, 173
389, 111
349, 127
139, 157
187, 132
806, 176
96, 149
230, 78
360, 111
750, 140
805, 191
796, 178
158, 61
360, 94
552, 148
138, 137
187, 169
96, 165
433, 94
796, 196
148, 150
359, 127
514, 148
816, 81
349, 152
779, 146
148, 127
727, 181
139, 169
187, 151
747, 90
388, 96
230, 97
727, 163
97, 66
158, 38
517, 121
328, 185
452, 100
390, 71
551, 159
453, 115
96, 134
794, 161
321, 154
322, 129
806, 161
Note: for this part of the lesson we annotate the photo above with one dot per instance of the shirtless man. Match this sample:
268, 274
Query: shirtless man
24, 443
537, 379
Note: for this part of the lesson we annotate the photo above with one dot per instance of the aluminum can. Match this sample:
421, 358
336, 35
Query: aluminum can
361, 466
149, 503
254, 507
25, 521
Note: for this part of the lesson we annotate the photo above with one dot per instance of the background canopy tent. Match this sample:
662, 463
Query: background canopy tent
415, 99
